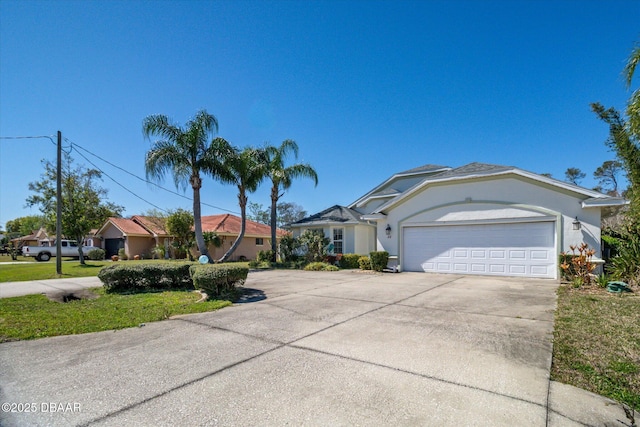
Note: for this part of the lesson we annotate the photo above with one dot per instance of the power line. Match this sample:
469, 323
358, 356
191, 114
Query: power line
139, 178
49, 137
125, 188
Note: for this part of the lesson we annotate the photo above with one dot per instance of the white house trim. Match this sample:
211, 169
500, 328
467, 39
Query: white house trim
489, 175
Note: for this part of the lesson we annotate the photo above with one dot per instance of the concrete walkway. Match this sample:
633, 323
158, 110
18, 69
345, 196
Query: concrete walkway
16, 289
307, 348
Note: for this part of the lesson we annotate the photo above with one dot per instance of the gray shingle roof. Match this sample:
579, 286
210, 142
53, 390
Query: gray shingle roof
423, 168
471, 169
335, 213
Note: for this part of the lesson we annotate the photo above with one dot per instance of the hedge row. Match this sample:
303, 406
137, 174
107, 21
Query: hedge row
213, 279
145, 277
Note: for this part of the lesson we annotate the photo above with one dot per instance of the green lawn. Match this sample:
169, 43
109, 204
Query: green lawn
597, 343
35, 316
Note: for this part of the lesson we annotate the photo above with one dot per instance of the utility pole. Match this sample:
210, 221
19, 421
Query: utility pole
59, 207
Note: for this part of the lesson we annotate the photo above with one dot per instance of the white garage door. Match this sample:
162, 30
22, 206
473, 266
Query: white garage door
516, 249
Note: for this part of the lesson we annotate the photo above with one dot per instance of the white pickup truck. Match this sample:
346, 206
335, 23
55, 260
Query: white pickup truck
44, 253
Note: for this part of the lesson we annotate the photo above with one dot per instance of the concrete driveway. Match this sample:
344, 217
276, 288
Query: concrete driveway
305, 348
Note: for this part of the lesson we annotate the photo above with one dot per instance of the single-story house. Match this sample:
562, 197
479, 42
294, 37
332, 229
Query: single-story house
139, 235
474, 219
257, 236
36, 238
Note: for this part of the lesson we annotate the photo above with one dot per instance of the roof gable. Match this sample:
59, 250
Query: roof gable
336, 213
154, 225
399, 183
127, 226
484, 170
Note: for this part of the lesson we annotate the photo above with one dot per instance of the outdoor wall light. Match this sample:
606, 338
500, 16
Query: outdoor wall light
577, 225
388, 230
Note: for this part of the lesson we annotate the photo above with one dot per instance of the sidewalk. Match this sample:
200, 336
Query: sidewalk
16, 289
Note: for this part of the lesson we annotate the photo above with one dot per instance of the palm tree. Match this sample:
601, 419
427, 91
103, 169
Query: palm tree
247, 168
633, 105
186, 153
282, 177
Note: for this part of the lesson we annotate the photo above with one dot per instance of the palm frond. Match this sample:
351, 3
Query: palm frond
632, 63
160, 125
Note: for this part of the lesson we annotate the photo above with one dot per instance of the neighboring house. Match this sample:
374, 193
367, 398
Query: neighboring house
92, 239
257, 236
37, 238
475, 219
139, 235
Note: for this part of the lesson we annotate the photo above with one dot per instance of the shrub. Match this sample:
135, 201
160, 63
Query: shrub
364, 263
320, 266
330, 259
218, 280
260, 264
288, 246
122, 254
132, 278
602, 280
313, 244
157, 252
611, 246
580, 267
379, 260
96, 254
626, 265
265, 256
349, 261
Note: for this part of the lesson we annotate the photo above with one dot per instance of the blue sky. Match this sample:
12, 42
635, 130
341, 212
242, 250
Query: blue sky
366, 88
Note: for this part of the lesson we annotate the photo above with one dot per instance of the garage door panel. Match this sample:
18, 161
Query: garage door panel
497, 268
517, 269
460, 253
478, 268
461, 268
516, 249
540, 255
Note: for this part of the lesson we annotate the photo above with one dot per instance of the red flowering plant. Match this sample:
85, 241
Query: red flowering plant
578, 265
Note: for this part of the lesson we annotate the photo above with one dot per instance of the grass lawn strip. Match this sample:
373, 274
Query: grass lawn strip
35, 316
597, 343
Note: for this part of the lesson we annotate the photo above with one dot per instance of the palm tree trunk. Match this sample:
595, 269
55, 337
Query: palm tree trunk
197, 224
242, 197
274, 213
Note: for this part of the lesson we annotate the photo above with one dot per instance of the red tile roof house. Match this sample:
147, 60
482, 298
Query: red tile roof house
138, 235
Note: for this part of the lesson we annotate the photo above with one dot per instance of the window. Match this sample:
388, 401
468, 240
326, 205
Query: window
337, 240
259, 241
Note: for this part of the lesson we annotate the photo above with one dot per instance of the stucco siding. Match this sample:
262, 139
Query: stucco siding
112, 233
493, 199
141, 246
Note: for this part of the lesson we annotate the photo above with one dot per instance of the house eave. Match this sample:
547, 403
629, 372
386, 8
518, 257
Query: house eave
602, 202
362, 200
470, 177
373, 217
